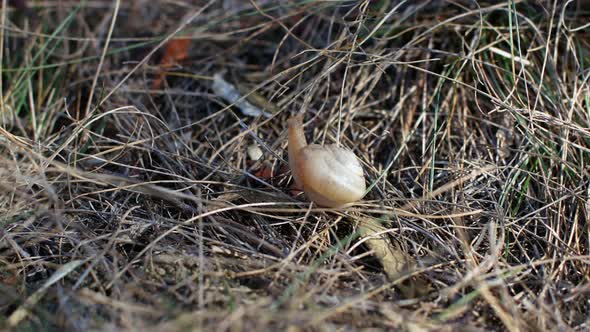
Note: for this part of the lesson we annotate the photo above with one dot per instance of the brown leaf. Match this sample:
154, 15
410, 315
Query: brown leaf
265, 171
176, 51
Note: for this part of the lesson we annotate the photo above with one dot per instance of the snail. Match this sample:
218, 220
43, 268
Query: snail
330, 176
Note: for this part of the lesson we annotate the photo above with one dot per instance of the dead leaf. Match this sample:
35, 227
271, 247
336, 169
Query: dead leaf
394, 260
176, 51
265, 171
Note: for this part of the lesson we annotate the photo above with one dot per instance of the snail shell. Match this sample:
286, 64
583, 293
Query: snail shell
330, 175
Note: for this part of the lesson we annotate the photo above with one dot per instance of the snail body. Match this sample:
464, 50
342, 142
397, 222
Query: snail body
330, 175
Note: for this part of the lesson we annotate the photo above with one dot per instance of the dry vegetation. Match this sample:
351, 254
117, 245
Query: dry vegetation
126, 204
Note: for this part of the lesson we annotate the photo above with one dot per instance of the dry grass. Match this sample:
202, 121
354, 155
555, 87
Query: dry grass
139, 208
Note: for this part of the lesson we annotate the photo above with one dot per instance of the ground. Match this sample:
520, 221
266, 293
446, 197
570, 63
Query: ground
145, 182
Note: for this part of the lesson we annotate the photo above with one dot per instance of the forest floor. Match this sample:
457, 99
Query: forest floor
144, 181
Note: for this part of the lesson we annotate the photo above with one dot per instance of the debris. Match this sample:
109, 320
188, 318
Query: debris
23, 311
19, 4
229, 92
508, 55
254, 152
394, 260
265, 171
